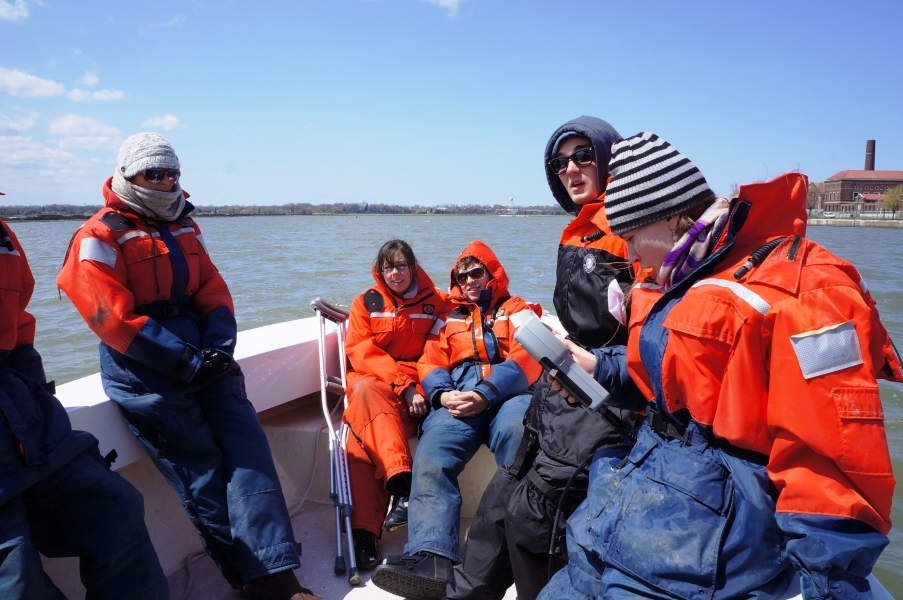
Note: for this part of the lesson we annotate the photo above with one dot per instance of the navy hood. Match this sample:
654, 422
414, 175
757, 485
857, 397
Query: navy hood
602, 135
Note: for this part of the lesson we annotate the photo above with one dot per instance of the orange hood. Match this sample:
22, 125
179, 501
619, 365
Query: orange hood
778, 208
499, 282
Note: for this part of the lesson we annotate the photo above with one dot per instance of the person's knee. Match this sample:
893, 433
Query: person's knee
441, 454
122, 501
430, 465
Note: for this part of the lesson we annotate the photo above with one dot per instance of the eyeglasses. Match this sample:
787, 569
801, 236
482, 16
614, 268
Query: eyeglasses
477, 273
581, 158
157, 175
402, 267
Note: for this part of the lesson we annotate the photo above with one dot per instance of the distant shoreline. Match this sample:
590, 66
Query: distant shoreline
876, 223
51, 218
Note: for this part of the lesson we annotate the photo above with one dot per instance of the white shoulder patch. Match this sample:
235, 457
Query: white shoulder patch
200, 239
98, 251
827, 350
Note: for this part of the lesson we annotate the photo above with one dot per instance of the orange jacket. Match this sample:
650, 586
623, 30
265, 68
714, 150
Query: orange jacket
17, 326
118, 261
474, 347
782, 362
386, 333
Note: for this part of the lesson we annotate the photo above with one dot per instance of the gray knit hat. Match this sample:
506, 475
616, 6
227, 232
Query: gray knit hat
145, 151
650, 181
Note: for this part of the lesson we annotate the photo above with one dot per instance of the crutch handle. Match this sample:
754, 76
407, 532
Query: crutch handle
333, 313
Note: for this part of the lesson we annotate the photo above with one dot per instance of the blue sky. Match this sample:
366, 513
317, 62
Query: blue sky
435, 101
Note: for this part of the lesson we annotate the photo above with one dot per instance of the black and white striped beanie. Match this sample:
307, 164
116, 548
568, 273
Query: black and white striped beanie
650, 181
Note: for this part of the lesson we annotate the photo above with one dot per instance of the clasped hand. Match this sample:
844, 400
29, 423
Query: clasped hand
417, 404
463, 404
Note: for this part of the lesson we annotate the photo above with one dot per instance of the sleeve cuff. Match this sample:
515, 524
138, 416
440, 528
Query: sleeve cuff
819, 585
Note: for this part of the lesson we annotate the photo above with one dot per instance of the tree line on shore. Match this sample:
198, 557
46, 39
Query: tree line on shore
71, 211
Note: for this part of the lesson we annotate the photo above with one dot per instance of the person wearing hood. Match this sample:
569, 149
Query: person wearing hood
758, 352
140, 275
478, 380
387, 328
508, 542
58, 496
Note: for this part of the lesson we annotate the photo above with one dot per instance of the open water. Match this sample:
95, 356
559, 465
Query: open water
276, 265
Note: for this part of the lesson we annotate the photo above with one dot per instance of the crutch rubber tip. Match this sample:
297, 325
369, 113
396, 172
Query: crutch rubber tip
340, 565
354, 578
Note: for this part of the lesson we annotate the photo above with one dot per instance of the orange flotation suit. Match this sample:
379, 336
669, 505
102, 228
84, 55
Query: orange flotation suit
386, 335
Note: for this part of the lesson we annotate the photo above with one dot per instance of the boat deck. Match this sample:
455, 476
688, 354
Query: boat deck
316, 526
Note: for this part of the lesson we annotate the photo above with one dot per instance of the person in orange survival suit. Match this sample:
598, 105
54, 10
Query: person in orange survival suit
139, 273
57, 494
764, 452
478, 380
387, 328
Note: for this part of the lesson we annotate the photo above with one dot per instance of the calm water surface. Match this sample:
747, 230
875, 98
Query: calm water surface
276, 265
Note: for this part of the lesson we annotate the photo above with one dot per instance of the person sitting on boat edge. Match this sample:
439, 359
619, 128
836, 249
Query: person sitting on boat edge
387, 328
58, 496
478, 380
508, 540
764, 451
139, 274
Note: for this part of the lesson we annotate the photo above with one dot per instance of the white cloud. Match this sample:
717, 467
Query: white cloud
89, 79
85, 132
10, 126
176, 21
92, 142
13, 11
166, 122
451, 5
24, 153
19, 83
79, 95
78, 125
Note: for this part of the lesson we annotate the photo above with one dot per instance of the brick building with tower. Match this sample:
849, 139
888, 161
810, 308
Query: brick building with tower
853, 191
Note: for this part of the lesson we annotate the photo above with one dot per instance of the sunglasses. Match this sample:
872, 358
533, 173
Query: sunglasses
477, 273
402, 267
157, 175
581, 158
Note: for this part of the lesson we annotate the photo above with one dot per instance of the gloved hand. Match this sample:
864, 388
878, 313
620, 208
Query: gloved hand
213, 365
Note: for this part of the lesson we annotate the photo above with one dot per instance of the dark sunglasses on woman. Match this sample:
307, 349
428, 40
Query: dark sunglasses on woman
581, 158
474, 274
157, 175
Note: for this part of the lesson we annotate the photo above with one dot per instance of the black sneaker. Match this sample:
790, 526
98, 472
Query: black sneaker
366, 549
418, 577
398, 516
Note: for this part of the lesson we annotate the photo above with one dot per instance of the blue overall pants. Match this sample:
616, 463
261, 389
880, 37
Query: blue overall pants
678, 516
210, 447
446, 446
59, 497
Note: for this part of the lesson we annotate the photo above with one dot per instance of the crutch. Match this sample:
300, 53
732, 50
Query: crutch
339, 482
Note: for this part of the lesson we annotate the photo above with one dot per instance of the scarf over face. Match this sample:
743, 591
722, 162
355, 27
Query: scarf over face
164, 206
694, 246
